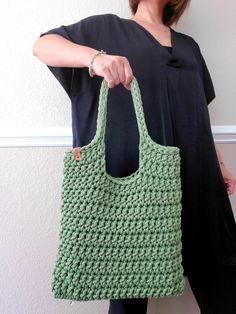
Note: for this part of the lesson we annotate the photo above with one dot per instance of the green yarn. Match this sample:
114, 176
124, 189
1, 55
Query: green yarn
120, 237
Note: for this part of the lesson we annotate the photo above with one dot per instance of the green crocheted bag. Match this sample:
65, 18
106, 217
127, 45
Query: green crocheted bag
120, 237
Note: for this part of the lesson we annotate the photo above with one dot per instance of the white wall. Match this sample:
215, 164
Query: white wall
31, 174
32, 97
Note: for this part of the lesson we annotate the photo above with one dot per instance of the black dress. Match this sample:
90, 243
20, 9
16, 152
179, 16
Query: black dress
176, 88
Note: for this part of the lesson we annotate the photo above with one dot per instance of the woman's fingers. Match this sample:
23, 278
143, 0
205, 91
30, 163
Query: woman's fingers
128, 74
120, 70
76, 153
108, 75
229, 179
114, 69
230, 184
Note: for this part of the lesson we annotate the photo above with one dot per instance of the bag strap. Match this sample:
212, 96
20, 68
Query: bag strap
138, 106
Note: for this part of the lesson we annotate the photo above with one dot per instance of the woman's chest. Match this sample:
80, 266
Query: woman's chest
161, 34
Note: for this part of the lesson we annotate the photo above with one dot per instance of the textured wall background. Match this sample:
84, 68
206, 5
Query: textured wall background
31, 177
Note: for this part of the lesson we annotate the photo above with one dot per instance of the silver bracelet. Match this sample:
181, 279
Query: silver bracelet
91, 63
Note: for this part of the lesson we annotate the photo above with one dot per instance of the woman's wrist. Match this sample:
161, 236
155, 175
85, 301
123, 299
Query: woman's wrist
84, 55
219, 157
91, 53
221, 163
90, 68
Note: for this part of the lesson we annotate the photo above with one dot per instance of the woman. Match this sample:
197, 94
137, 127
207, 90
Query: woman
176, 88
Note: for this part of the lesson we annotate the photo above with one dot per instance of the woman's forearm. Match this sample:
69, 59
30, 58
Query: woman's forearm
219, 156
55, 50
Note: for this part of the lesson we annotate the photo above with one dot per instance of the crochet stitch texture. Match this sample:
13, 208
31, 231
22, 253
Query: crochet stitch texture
120, 237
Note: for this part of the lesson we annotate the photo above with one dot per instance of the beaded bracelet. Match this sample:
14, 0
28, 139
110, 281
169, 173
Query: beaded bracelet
91, 63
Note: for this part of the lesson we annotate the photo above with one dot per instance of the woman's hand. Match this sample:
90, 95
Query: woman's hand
229, 179
114, 69
76, 153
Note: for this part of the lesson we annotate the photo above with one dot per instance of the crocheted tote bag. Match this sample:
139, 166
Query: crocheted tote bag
120, 237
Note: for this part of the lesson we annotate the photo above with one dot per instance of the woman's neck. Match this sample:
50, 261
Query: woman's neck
150, 12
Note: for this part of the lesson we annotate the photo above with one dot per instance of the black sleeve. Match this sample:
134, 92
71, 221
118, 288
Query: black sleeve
78, 33
206, 77
207, 83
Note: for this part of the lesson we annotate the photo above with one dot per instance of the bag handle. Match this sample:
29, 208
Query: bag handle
138, 106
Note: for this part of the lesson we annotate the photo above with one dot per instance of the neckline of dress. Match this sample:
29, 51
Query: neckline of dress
151, 36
